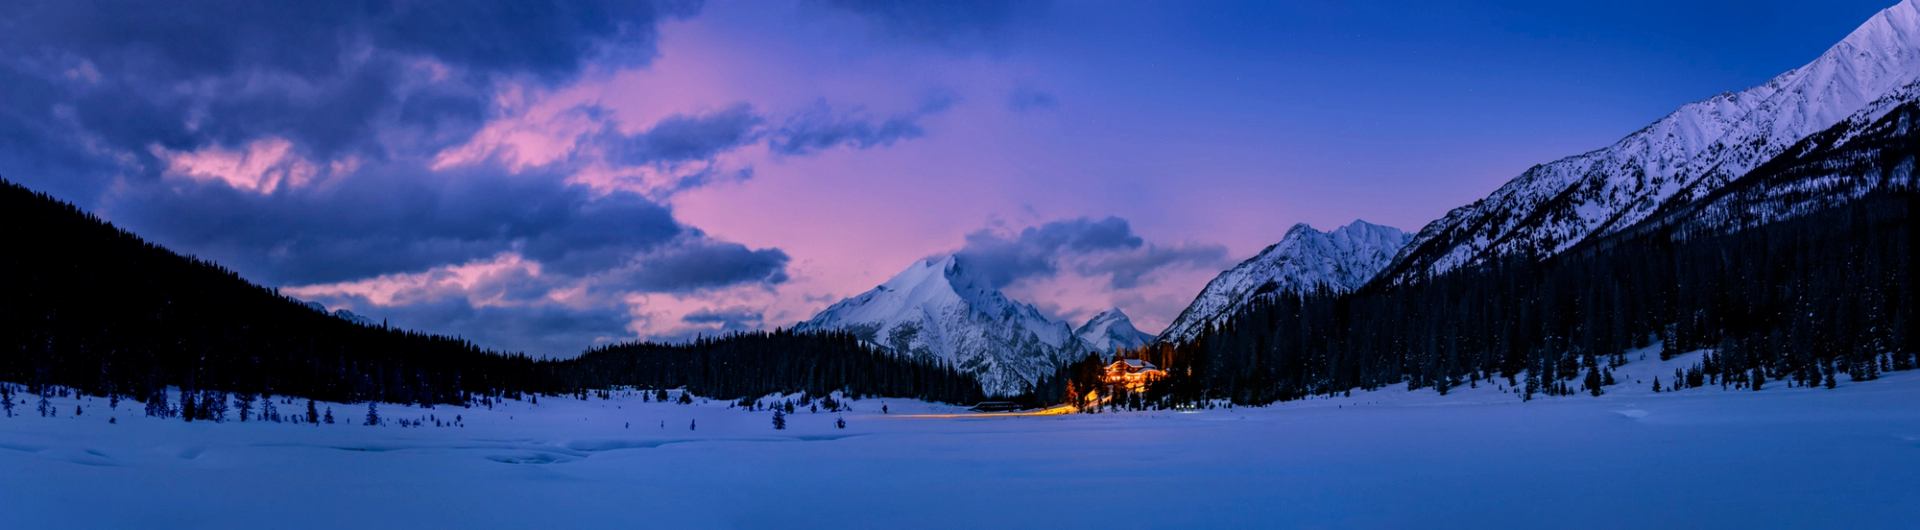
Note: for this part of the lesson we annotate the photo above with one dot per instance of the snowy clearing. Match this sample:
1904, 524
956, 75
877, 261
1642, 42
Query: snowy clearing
1702, 458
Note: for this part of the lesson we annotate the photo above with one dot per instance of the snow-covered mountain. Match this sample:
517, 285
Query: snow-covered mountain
938, 309
1678, 159
1304, 260
1110, 331
1874, 150
341, 314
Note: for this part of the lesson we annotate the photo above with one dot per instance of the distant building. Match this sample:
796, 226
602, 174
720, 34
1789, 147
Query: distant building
1133, 374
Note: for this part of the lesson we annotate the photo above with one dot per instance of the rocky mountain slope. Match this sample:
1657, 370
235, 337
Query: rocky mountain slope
1111, 331
1304, 260
938, 309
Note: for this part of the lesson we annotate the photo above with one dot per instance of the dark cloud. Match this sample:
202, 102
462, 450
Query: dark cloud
822, 128
683, 138
1128, 268
540, 331
972, 25
694, 262
1028, 99
1088, 246
103, 81
396, 218
727, 319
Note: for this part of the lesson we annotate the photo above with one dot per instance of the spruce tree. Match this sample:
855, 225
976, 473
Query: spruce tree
779, 419
373, 413
245, 406
313, 414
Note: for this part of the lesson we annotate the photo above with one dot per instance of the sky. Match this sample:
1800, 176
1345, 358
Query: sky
543, 177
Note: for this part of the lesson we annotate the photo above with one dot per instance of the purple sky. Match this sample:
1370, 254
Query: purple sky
544, 178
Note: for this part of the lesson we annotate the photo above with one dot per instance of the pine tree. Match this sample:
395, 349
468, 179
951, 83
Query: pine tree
779, 419
1656, 384
313, 414
213, 406
245, 406
840, 423
188, 410
373, 413
328, 417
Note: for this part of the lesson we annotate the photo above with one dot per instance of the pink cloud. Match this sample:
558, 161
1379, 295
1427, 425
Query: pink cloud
261, 166
483, 283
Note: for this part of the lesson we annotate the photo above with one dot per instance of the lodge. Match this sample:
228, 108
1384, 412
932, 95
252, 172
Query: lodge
1133, 374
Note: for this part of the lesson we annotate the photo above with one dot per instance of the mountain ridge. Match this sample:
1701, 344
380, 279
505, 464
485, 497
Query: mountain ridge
938, 308
1305, 259
1679, 158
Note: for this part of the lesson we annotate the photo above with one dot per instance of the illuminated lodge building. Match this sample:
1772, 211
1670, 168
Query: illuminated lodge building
1133, 374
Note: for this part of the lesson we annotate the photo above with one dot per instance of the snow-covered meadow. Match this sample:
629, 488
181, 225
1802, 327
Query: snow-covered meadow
1702, 458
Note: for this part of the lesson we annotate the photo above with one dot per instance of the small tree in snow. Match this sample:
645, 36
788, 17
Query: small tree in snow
840, 423
313, 416
779, 420
329, 416
373, 413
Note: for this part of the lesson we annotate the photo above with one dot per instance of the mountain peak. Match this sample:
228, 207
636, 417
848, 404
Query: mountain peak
1304, 260
1111, 331
939, 309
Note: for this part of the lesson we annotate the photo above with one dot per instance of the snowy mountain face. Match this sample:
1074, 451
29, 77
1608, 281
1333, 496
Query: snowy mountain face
1679, 159
1304, 260
1111, 331
1872, 151
938, 310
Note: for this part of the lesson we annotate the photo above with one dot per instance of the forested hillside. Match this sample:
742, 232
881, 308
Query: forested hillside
87, 305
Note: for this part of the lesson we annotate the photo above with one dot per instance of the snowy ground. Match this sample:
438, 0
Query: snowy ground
1704, 458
